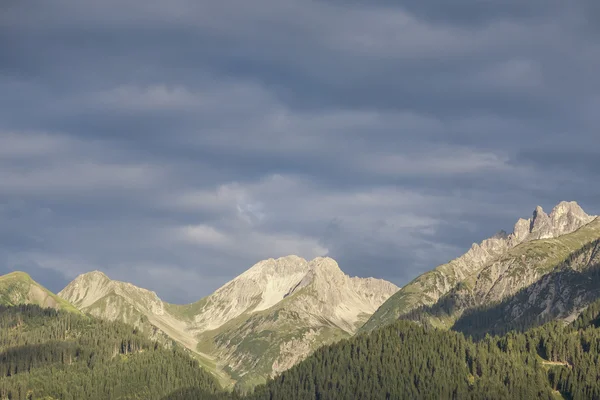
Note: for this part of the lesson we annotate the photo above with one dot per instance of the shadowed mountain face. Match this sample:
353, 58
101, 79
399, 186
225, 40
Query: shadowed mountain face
257, 325
499, 266
562, 294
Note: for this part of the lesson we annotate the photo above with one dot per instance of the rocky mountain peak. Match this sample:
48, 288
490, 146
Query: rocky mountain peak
569, 216
262, 286
325, 275
90, 287
93, 279
566, 207
274, 267
342, 300
95, 275
325, 266
539, 217
566, 217
522, 229
541, 225
86, 288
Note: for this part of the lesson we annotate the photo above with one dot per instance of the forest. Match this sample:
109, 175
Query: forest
48, 354
407, 360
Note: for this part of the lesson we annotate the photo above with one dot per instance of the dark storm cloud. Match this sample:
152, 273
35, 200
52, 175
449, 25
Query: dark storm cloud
192, 139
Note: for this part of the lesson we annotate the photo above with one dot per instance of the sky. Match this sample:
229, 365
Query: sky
173, 144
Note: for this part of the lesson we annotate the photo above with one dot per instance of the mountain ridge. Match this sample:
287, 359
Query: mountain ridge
559, 295
280, 310
261, 322
428, 288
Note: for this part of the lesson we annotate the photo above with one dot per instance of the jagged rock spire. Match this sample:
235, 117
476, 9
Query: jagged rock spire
566, 217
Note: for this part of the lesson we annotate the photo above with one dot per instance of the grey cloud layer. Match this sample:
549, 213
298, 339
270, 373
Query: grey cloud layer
200, 137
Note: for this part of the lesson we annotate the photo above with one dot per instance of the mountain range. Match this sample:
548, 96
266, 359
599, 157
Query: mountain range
279, 311
257, 325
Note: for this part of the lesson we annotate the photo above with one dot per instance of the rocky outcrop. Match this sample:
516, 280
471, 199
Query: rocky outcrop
565, 218
428, 288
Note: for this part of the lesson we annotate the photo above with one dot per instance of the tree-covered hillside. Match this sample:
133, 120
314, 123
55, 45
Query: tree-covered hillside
49, 354
410, 361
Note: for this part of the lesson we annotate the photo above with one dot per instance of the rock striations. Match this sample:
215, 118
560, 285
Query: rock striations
259, 324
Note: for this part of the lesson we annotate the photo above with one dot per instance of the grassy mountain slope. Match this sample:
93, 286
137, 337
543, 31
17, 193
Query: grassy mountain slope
18, 288
499, 266
566, 258
572, 286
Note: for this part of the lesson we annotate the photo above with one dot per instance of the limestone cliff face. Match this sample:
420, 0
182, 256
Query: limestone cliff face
427, 289
262, 286
258, 324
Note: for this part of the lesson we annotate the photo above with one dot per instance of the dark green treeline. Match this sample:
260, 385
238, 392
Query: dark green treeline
409, 361
47, 354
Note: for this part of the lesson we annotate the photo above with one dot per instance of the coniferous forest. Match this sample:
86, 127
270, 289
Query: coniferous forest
410, 361
48, 354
